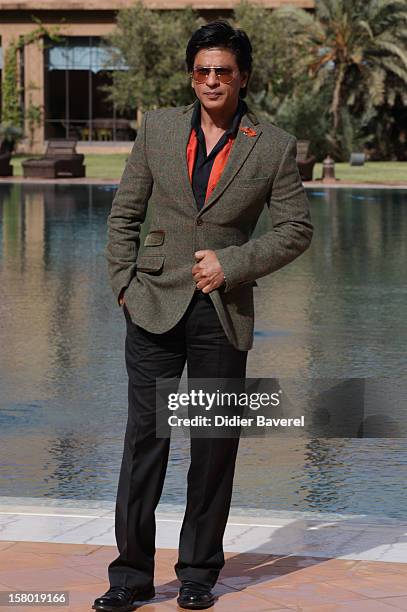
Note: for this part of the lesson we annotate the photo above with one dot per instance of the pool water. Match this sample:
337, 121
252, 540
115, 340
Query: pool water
338, 311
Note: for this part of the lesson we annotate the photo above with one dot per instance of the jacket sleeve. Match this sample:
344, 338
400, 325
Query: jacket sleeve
291, 231
128, 212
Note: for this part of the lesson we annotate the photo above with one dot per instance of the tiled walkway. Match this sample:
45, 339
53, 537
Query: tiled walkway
279, 561
248, 582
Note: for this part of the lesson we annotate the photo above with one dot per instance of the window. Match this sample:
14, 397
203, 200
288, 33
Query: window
75, 105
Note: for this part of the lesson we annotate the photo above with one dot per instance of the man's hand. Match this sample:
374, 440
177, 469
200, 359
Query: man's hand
207, 273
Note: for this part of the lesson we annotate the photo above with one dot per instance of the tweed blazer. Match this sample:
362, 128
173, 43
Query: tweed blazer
156, 270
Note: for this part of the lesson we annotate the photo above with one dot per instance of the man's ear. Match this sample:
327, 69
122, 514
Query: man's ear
245, 78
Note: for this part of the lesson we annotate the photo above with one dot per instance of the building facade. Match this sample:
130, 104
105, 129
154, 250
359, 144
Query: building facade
64, 78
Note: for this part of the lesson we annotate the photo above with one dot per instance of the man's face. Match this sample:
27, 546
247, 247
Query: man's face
213, 94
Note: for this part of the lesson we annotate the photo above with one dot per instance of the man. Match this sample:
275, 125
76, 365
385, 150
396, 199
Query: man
205, 172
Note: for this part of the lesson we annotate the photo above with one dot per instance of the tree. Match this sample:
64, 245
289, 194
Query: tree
279, 69
361, 44
305, 115
389, 127
147, 50
13, 115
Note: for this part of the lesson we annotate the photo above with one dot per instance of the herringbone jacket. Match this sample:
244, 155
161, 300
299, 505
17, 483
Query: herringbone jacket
261, 169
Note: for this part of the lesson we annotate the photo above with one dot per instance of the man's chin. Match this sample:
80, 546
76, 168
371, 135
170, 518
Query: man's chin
218, 103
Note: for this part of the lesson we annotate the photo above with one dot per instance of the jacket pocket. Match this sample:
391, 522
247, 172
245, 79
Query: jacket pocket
154, 238
247, 283
150, 263
253, 182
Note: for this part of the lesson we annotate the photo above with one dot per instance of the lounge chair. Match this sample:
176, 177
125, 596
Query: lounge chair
305, 162
6, 169
60, 160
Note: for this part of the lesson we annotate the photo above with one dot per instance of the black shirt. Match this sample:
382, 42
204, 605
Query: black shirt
203, 162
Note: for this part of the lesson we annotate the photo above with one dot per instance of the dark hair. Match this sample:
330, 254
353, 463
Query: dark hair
221, 34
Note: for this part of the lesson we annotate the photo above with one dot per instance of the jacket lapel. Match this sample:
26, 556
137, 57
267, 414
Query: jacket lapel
182, 127
240, 150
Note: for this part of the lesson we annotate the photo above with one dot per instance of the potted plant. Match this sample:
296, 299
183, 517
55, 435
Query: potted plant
10, 135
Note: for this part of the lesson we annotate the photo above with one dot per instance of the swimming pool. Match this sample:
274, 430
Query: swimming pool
337, 311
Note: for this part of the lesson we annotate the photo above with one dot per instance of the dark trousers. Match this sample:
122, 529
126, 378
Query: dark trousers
198, 339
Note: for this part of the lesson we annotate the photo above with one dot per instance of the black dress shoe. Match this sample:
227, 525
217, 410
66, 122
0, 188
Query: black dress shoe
195, 596
122, 599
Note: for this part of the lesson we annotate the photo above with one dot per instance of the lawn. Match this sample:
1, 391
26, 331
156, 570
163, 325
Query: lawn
110, 166
374, 172
98, 166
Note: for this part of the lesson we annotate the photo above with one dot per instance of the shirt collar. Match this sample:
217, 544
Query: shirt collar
240, 111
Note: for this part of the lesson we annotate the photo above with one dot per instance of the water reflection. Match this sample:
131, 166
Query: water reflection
341, 304
338, 311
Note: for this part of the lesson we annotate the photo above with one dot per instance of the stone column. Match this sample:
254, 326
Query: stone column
34, 95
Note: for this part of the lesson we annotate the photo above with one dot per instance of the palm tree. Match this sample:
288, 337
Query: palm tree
359, 46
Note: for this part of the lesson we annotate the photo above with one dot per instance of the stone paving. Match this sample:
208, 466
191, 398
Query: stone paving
249, 582
274, 561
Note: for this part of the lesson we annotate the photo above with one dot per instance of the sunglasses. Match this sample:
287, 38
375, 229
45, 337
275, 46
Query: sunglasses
225, 75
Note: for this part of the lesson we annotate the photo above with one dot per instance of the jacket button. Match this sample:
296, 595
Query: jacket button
199, 221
